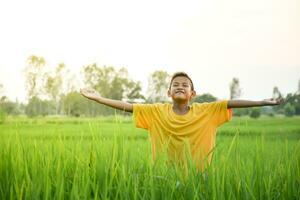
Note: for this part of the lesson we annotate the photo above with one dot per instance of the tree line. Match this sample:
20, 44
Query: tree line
55, 92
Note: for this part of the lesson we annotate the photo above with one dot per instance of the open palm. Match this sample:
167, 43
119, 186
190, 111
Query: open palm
273, 101
90, 93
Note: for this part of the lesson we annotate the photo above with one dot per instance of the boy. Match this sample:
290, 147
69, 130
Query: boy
179, 127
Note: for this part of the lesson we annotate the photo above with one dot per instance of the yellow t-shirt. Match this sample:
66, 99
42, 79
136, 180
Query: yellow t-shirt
176, 134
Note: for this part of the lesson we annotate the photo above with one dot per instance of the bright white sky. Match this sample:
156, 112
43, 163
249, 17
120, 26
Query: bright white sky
212, 40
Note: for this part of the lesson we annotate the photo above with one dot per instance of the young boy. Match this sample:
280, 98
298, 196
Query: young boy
179, 128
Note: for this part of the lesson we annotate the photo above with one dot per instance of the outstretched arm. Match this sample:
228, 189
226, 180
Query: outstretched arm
247, 103
94, 95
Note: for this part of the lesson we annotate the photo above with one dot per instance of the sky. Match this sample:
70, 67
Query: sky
256, 41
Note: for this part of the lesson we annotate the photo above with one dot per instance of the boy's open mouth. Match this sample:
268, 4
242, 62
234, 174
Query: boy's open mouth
179, 91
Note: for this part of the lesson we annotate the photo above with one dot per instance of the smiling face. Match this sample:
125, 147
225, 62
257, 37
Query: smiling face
181, 89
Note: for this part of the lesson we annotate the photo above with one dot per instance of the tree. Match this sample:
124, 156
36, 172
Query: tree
2, 116
36, 107
99, 78
291, 104
255, 113
297, 104
235, 90
8, 107
73, 104
298, 92
242, 112
118, 84
276, 93
158, 85
2, 99
2, 113
34, 75
70, 82
204, 98
111, 83
54, 85
289, 110
1, 90
133, 91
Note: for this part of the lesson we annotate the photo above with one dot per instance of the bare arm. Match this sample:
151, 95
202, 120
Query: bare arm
247, 103
94, 95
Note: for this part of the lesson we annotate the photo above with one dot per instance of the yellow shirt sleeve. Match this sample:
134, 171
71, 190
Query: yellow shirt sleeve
143, 115
219, 112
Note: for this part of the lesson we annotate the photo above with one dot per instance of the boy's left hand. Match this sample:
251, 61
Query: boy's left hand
273, 102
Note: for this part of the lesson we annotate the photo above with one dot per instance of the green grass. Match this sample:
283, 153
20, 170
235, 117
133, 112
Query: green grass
108, 158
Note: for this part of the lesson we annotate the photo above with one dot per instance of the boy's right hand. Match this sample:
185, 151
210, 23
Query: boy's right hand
90, 93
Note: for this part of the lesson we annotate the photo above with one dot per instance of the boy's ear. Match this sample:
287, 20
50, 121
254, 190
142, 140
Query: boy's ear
193, 94
169, 93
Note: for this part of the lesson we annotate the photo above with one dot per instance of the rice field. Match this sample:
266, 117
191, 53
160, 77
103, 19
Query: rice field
108, 158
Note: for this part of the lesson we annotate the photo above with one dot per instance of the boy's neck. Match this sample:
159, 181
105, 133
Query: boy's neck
181, 108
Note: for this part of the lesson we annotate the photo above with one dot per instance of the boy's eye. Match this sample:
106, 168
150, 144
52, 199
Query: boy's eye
184, 85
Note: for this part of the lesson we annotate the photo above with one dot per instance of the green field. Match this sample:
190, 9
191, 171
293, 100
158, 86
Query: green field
108, 158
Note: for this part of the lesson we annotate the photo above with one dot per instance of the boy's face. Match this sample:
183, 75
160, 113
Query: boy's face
181, 90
